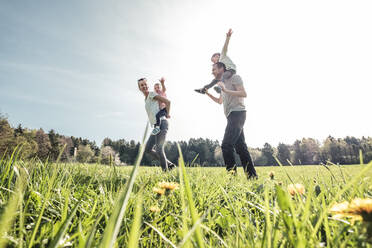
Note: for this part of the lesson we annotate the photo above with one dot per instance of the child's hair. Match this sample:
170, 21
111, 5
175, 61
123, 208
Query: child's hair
215, 54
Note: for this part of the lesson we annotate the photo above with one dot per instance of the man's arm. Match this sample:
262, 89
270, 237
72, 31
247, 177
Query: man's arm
165, 101
226, 45
162, 81
239, 92
215, 99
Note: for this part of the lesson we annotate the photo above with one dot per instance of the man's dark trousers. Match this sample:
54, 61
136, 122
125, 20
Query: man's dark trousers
234, 139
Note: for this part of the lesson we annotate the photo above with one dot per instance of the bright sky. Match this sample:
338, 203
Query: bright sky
73, 65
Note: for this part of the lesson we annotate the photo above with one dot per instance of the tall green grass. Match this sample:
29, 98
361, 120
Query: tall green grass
45, 204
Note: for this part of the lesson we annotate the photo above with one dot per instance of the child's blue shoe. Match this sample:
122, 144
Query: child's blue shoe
155, 131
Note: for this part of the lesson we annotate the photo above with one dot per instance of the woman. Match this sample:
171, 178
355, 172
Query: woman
155, 144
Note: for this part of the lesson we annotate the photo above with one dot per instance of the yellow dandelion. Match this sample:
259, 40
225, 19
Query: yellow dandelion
357, 209
339, 209
168, 185
159, 191
271, 175
154, 209
162, 184
296, 188
362, 207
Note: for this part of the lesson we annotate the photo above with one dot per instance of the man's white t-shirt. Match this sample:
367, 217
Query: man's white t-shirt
152, 107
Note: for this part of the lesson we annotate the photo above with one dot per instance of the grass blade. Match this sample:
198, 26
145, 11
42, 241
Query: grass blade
113, 226
184, 208
194, 214
191, 232
134, 234
161, 235
63, 228
10, 211
361, 156
46, 199
89, 241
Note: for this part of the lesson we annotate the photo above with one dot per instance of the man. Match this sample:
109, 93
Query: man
152, 101
232, 97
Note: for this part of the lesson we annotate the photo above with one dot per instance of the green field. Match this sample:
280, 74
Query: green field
80, 205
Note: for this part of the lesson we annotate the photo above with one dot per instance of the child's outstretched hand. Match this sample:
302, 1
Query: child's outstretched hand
229, 33
168, 116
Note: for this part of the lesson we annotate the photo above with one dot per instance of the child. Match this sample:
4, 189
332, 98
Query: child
162, 112
230, 66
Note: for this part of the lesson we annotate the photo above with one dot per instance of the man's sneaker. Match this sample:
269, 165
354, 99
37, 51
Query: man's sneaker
171, 166
217, 89
155, 131
201, 91
252, 176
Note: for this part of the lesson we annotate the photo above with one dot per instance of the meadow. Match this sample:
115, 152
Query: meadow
91, 205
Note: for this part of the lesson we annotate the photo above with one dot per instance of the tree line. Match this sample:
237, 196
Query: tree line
204, 152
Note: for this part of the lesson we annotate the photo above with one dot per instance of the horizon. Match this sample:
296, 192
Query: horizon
321, 141
72, 67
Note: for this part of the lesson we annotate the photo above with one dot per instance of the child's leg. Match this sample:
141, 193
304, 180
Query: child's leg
161, 113
227, 74
158, 115
211, 84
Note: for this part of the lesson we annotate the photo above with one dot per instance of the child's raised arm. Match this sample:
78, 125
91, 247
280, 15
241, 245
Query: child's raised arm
162, 81
225, 46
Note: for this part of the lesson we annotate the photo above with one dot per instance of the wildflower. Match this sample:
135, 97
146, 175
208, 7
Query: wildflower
296, 188
159, 191
154, 209
362, 207
168, 185
271, 175
339, 209
357, 209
